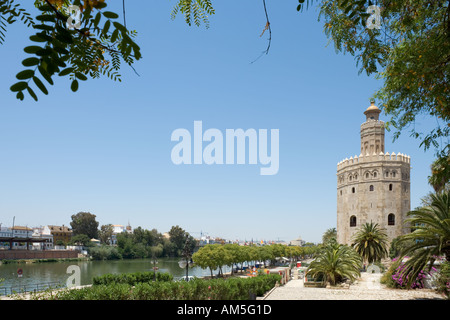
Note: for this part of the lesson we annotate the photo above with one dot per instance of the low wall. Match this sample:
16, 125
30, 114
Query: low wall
37, 254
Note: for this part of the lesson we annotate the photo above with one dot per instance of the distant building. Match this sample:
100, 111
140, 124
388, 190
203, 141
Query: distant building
42, 233
60, 233
297, 242
117, 229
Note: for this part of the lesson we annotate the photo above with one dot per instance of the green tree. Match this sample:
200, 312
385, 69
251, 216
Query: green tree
335, 262
126, 245
81, 239
84, 223
206, 257
179, 237
105, 233
440, 174
430, 237
371, 242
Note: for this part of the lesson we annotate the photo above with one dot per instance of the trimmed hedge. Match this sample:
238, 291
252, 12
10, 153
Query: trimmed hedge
131, 278
197, 289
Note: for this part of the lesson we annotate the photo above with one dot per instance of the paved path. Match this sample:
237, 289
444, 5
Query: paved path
367, 287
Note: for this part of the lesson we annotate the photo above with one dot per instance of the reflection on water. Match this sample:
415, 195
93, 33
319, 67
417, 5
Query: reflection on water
55, 272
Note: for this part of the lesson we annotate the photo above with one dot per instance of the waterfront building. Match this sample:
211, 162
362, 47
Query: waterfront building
60, 233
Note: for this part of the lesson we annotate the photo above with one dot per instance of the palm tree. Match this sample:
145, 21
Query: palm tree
371, 242
335, 262
431, 235
329, 234
440, 173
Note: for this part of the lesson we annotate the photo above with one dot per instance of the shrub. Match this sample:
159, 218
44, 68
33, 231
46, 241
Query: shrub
104, 253
395, 277
443, 279
197, 289
131, 278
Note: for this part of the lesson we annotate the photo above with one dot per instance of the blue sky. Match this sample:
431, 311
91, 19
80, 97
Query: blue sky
106, 149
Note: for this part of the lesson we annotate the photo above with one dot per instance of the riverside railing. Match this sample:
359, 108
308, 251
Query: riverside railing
30, 288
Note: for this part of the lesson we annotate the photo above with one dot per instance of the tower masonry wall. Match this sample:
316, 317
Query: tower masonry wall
373, 188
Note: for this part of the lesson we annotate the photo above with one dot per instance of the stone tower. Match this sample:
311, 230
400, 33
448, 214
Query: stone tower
373, 186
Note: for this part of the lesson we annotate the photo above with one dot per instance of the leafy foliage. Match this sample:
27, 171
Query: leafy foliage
9, 13
431, 235
97, 47
194, 11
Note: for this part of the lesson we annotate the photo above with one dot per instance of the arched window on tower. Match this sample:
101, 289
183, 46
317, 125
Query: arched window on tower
352, 221
353, 190
391, 219
390, 187
367, 175
371, 188
375, 174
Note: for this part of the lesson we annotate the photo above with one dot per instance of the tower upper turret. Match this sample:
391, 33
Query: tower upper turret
372, 112
372, 132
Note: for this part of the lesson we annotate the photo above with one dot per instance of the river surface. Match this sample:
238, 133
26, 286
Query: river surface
35, 276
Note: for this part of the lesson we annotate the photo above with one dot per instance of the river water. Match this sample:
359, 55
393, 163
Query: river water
35, 276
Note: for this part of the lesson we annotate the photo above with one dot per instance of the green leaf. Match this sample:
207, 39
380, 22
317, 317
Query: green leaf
45, 74
74, 85
80, 76
32, 49
25, 74
106, 27
120, 27
40, 85
19, 86
101, 5
42, 36
29, 62
66, 71
32, 94
43, 27
45, 8
114, 35
37, 39
46, 17
98, 16
44, 52
110, 15
20, 95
